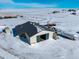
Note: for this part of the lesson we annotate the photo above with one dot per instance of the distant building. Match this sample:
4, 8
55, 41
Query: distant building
54, 12
7, 16
71, 10
28, 33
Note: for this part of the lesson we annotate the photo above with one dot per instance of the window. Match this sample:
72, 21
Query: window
42, 37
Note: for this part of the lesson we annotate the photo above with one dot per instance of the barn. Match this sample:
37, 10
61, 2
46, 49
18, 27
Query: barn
28, 33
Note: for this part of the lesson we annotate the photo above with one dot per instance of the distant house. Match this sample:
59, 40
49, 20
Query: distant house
8, 16
28, 33
71, 10
54, 12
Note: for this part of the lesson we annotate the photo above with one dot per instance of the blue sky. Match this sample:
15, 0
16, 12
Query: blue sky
39, 4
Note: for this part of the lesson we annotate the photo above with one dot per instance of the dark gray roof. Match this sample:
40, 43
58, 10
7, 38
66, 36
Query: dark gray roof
27, 27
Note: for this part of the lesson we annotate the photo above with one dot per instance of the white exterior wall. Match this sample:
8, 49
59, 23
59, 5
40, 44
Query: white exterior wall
33, 39
51, 35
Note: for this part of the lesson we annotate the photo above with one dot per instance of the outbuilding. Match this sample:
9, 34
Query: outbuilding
4, 29
28, 33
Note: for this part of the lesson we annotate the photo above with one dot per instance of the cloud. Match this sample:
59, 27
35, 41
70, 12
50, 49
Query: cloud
12, 4
35, 5
37, 1
6, 1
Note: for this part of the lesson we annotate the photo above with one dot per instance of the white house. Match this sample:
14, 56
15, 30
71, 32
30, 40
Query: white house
41, 36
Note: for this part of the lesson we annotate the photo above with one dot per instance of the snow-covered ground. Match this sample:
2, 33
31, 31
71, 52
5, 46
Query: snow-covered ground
13, 48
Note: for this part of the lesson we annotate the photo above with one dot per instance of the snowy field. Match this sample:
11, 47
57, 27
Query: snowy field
13, 48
